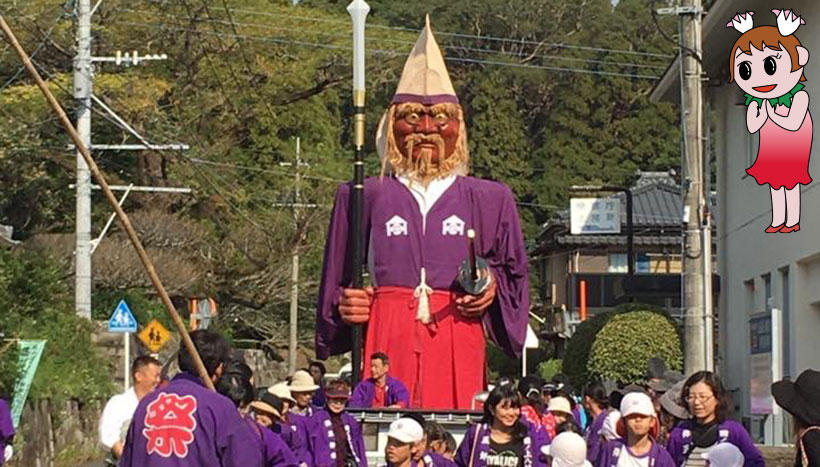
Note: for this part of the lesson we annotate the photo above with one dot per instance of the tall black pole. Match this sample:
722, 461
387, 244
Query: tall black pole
358, 10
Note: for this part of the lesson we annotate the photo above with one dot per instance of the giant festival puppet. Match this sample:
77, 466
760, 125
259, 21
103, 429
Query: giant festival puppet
421, 310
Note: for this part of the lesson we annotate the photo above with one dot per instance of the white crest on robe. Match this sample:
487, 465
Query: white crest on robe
396, 226
453, 225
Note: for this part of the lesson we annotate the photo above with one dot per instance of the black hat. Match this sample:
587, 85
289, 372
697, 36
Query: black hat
800, 398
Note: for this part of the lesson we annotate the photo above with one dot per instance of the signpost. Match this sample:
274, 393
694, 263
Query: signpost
122, 320
154, 336
595, 216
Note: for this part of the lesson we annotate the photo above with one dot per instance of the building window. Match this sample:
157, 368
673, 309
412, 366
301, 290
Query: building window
617, 263
767, 293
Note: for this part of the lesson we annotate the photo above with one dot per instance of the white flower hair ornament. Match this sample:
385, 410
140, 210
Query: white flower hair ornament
742, 22
787, 22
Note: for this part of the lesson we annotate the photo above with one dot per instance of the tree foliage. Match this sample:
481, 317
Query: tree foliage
625, 344
37, 304
245, 78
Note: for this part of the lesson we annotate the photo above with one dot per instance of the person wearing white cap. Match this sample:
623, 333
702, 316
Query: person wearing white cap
302, 388
638, 428
403, 436
724, 455
568, 449
422, 211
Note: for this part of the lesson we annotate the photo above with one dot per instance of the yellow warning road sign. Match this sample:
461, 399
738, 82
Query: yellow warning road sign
154, 336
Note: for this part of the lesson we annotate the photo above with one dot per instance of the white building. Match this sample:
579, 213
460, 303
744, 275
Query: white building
767, 280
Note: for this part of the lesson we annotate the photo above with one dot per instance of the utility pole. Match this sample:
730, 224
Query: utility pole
84, 97
297, 205
695, 206
83, 83
294, 286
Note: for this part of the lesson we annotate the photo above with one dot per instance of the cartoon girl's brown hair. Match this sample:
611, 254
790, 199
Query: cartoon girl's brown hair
771, 38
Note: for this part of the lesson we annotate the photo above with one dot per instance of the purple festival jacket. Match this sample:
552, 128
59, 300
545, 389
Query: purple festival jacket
395, 392
729, 431
611, 450
321, 441
479, 435
274, 450
186, 424
593, 436
404, 241
6, 428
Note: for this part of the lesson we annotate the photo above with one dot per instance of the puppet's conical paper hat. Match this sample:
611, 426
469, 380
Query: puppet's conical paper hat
425, 79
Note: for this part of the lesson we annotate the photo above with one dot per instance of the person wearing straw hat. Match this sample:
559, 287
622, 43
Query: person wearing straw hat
302, 389
285, 426
334, 437
418, 215
801, 398
237, 387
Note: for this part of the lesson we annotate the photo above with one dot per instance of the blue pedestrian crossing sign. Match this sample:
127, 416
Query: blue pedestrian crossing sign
122, 320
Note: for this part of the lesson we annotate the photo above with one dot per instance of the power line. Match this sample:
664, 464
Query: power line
471, 36
267, 27
393, 53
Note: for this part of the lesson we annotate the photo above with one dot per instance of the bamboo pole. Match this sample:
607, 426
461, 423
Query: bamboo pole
112, 200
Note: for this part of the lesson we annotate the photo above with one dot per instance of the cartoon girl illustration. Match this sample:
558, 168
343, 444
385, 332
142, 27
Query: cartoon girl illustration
767, 63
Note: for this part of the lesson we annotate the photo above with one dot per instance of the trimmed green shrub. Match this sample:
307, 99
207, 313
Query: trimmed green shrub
624, 345
549, 368
578, 347
576, 354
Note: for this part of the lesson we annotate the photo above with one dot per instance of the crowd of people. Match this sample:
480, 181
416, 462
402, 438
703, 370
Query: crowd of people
303, 421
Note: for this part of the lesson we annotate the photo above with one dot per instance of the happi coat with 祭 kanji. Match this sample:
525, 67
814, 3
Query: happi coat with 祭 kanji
442, 363
186, 424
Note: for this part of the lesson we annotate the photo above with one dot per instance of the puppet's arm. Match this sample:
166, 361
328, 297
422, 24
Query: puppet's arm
755, 117
797, 112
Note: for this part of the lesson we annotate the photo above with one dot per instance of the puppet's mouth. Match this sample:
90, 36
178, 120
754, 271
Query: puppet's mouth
766, 88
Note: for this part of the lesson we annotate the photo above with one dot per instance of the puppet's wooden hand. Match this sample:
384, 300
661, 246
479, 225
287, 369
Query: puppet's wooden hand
474, 306
354, 305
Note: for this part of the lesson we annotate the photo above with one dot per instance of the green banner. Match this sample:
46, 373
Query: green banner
30, 353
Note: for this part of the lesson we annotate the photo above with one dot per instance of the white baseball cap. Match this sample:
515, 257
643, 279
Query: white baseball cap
559, 404
724, 455
406, 430
608, 430
568, 449
637, 403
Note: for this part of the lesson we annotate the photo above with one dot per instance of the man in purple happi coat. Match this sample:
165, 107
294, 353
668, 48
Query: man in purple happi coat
381, 389
6, 432
417, 218
186, 424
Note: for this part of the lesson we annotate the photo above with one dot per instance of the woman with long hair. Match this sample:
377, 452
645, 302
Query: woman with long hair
502, 437
801, 398
710, 407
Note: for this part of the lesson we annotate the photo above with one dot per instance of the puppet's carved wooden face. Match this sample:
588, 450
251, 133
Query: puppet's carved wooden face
426, 132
